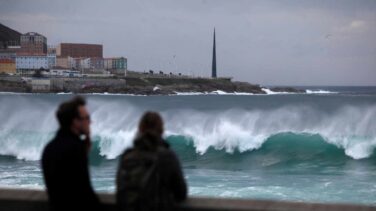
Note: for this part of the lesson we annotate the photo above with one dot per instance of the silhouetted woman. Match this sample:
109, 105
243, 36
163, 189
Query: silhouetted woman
149, 176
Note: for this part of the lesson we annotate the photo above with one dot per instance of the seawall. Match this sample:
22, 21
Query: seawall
33, 200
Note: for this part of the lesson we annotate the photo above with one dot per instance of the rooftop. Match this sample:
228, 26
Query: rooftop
32, 34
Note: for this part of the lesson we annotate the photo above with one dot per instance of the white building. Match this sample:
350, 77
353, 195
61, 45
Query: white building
107, 63
31, 62
51, 61
65, 73
85, 63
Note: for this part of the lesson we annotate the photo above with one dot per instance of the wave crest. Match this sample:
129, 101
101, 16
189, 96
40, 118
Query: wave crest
350, 128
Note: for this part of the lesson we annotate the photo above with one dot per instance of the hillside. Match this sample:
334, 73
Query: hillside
7, 34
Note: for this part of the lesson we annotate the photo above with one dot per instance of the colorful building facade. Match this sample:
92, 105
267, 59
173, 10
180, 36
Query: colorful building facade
7, 66
79, 50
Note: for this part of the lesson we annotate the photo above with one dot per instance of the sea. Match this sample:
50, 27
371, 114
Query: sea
317, 146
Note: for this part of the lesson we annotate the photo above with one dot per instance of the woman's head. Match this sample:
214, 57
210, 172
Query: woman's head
151, 122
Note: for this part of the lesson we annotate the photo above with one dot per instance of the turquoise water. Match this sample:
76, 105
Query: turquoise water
299, 147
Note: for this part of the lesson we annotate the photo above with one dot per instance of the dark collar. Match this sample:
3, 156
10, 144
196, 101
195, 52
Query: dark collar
67, 134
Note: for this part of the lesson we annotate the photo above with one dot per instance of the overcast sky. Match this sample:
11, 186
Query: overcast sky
277, 42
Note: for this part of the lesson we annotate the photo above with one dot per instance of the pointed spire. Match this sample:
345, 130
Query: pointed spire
214, 62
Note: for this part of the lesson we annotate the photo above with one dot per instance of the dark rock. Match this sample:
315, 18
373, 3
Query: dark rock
287, 89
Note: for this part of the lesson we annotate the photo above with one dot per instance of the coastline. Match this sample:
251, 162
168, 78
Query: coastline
137, 86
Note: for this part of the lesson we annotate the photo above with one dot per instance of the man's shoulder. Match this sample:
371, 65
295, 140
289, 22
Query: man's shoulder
60, 145
50, 151
50, 146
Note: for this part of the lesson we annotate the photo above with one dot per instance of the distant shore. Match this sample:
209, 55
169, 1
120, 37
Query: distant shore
135, 86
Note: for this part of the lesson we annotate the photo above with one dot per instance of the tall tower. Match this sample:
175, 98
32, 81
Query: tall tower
214, 62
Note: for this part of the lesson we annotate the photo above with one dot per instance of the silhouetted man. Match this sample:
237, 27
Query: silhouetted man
65, 160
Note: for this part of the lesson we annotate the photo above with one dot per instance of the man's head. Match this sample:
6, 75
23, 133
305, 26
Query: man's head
151, 122
72, 115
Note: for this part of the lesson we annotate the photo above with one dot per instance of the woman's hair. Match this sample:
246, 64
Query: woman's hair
151, 122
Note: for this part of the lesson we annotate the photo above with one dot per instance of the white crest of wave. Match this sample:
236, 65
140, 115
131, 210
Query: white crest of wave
212, 130
26, 147
115, 125
350, 128
26, 129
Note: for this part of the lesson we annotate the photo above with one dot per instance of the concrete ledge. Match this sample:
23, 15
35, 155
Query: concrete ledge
20, 199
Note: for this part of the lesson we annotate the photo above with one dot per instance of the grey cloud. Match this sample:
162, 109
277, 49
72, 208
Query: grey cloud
266, 42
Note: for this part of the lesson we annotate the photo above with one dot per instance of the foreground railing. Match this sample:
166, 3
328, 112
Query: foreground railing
22, 200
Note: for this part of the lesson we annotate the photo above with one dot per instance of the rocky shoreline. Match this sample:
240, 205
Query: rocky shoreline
139, 86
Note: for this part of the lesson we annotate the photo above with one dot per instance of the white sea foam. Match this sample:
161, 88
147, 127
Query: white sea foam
217, 92
14, 93
243, 93
270, 92
112, 94
308, 91
64, 93
220, 92
189, 93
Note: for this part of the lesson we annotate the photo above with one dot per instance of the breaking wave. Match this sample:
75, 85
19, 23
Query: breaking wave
349, 131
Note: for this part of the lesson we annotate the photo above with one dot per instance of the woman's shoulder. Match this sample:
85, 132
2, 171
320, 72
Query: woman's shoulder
166, 153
